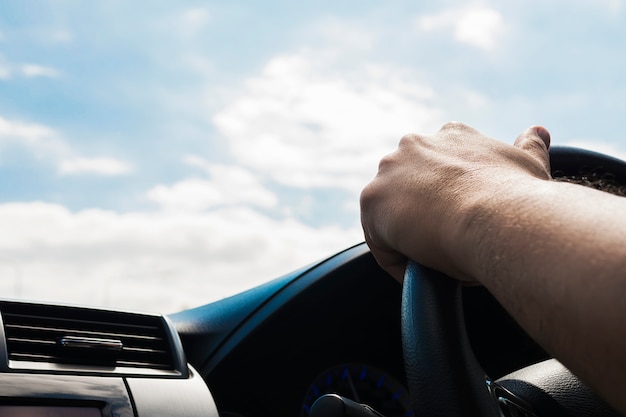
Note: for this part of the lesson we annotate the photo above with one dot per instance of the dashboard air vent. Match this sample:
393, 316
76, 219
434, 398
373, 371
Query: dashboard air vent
41, 337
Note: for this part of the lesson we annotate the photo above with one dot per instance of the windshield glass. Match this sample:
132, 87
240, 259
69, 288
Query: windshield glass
160, 155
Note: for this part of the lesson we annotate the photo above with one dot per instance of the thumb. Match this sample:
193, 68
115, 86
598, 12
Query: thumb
536, 142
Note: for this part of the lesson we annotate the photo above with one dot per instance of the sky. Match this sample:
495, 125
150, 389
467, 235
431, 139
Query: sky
159, 155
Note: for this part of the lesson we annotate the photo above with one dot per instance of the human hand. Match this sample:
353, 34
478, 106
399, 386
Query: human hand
427, 193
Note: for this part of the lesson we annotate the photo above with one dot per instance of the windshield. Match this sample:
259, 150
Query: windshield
160, 155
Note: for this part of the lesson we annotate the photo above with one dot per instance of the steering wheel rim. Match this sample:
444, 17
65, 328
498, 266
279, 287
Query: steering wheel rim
451, 382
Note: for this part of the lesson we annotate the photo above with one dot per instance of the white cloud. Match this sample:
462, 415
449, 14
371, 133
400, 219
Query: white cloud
477, 26
32, 70
101, 166
612, 7
42, 140
198, 162
198, 16
28, 70
305, 125
229, 185
192, 21
164, 260
45, 143
27, 131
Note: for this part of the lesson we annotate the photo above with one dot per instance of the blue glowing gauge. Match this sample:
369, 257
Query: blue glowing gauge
363, 384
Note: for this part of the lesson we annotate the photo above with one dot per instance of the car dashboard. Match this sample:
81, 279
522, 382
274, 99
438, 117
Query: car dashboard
270, 351
333, 328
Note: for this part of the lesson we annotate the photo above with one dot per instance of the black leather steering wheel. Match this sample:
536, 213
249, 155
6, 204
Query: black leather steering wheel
443, 375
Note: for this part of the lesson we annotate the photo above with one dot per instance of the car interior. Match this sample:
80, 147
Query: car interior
335, 327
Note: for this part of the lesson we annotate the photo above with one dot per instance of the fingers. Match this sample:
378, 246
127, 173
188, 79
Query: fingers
536, 142
391, 261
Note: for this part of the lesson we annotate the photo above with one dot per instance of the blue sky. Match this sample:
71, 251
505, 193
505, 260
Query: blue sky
157, 155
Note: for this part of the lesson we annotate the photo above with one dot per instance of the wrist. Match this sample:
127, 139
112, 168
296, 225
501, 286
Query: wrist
488, 221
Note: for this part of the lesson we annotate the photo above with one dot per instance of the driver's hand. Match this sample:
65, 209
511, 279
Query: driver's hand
428, 193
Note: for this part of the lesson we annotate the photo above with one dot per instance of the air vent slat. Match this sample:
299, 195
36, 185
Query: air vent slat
33, 341
141, 365
38, 336
32, 357
86, 332
144, 350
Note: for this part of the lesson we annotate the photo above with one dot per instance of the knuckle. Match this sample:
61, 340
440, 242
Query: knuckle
367, 194
386, 162
409, 139
458, 129
453, 125
370, 196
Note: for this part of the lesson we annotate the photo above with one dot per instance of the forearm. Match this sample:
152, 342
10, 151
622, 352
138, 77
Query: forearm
536, 255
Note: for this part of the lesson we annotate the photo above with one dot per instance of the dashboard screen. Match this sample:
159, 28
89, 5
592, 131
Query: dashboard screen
47, 411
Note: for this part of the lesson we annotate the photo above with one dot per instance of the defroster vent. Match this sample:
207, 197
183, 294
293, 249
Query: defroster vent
49, 337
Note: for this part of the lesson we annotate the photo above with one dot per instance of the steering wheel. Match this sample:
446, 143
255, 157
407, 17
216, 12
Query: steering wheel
445, 378
443, 375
